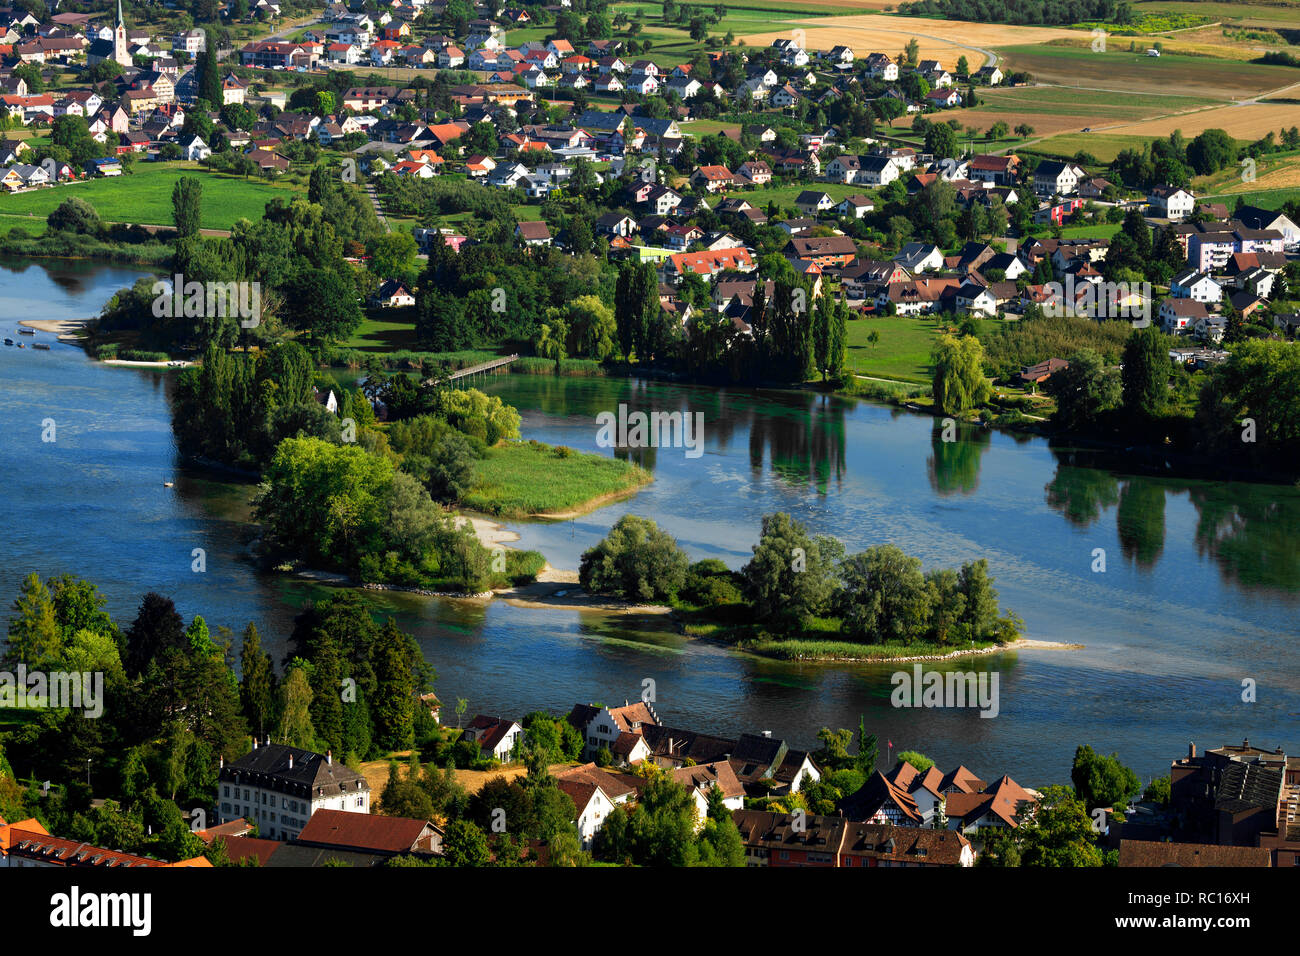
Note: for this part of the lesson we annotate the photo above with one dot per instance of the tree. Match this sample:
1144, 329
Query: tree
187, 196
636, 303
1102, 781
464, 844
257, 686
791, 575
392, 255
884, 598
74, 214
635, 561
917, 759
1145, 372
941, 140
959, 382
1059, 833
34, 635
296, 729
1083, 390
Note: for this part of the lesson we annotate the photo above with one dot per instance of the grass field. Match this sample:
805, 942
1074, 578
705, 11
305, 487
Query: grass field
523, 479
1105, 146
903, 352
386, 334
145, 197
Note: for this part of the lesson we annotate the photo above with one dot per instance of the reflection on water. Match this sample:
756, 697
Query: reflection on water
955, 465
1205, 597
1251, 531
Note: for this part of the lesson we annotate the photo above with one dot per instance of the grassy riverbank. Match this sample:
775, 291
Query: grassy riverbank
527, 479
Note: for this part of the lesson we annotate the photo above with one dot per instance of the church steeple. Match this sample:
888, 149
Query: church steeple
120, 52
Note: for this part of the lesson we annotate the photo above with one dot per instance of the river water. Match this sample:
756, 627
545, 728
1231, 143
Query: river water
1200, 591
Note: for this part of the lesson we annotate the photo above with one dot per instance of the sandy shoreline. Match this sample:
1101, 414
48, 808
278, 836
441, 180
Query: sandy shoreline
66, 329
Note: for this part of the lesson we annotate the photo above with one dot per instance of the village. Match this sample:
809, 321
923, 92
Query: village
279, 805
691, 204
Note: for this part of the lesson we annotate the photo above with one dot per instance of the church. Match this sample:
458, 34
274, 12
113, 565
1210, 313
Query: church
114, 49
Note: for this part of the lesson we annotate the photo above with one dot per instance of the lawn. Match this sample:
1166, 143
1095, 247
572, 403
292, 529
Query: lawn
144, 196
395, 332
523, 479
903, 352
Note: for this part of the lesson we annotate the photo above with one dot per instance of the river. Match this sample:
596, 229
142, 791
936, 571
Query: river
1201, 586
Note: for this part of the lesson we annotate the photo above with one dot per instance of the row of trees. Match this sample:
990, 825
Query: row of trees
880, 595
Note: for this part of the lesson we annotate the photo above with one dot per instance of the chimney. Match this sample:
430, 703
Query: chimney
268, 740
1191, 751
767, 734
221, 763
329, 757
290, 761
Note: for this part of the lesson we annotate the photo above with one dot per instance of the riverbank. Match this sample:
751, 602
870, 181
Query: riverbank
773, 651
68, 330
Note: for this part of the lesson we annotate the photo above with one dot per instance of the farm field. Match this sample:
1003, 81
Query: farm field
145, 196
1064, 100
1248, 121
1118, 70
1247, 14
942, 40
1104, 146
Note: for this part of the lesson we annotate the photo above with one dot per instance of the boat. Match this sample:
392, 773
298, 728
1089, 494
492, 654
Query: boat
26, 331
9, 341
168, 484
40, 345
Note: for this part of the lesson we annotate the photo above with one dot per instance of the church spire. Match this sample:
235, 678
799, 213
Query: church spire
120, 21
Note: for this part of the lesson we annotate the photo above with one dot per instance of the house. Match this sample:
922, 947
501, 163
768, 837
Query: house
1000, 170
944, 98
195, 149
881, 67
1094, 188
268, 160
989, 74
604, 727
279, 788
497, 738
810, 202
391, 294
784, 97
701, 780
615, 224
1031, 375
372, 833
27, 844
1194, 284
756, 171
533, 233
843, 168
920, 257
712, 178
1253, 217
1176, 315
807, 840
707, 263
875, 170
829, 252
1171, 203
854, 207
1056, 178
1002, 805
